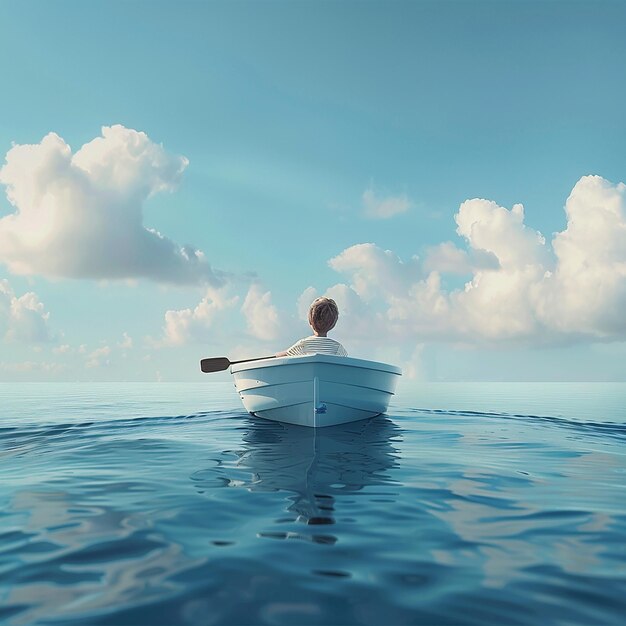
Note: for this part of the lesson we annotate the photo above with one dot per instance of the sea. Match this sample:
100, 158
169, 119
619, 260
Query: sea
159, 504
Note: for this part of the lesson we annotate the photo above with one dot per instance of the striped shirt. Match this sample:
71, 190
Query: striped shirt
317, 345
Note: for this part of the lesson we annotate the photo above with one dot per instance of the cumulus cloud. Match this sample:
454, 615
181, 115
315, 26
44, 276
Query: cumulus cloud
376, 272
377, 207
261, 315
25, 367
22, 318
496, 230
99, 358
586, 292
304, 302
521, 288
81, 215
449, 259
126, 343
185, 325
220, 315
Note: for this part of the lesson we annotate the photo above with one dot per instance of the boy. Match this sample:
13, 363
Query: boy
323, 316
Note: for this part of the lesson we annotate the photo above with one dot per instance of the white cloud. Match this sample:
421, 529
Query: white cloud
449, 259
375, 272
81, 215
494, 229
521, 289
365, 331
218, 320
185, 325
22, 319
357, 319
261, 315
32, 366
586, 293
304, 302
377, 207
126, 343
99, 358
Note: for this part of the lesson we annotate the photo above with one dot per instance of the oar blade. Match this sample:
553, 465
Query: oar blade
217, 364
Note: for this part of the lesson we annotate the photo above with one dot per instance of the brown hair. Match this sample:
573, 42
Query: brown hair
323, 314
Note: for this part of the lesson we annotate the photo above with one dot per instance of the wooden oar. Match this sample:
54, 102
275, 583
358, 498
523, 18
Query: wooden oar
221, 363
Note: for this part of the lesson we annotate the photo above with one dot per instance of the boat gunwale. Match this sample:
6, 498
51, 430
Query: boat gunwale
331, 359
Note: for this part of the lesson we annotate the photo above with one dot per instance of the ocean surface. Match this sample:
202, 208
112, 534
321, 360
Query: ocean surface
167, 504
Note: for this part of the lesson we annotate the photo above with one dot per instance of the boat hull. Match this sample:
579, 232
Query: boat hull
315, 390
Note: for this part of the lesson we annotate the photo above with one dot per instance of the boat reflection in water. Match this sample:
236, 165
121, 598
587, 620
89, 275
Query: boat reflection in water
315, 467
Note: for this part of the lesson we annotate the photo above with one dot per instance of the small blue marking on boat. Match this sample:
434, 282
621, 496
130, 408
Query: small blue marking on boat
320, 408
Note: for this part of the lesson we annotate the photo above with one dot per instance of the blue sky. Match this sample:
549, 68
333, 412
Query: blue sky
295, 117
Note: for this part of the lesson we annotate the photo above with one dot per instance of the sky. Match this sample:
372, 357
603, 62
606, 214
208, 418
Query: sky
180, 180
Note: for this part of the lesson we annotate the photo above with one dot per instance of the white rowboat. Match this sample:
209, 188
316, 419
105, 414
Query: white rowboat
315, 390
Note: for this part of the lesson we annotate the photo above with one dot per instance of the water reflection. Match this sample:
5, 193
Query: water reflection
314, 465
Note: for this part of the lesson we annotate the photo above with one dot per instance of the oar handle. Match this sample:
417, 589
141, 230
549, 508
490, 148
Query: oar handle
221, 363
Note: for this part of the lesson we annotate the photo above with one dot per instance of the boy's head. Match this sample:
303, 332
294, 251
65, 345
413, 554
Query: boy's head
323, 315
